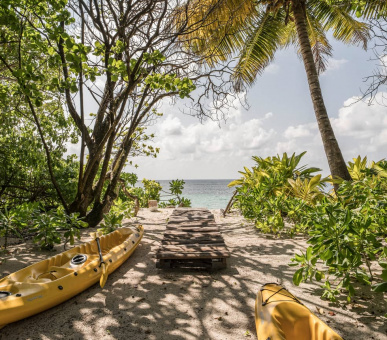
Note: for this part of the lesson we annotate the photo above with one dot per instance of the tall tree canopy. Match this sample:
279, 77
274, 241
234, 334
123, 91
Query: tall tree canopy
108, 64
252, 31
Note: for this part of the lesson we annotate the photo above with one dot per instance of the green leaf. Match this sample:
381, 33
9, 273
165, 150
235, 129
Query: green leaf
383, 264
297, 277
309, 252
384, 275
381, 287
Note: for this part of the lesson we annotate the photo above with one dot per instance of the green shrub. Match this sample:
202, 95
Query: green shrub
277, 189
46, 226
111, 221
346, 229
15, 222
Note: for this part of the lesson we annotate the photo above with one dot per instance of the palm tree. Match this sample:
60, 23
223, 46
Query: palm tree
253, 30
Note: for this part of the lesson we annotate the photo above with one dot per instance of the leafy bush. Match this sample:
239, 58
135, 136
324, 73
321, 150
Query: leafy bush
277, 188
8, 225
152, 190
346, 234
15, 222
111, 222
46, 227
71, 224
346, 229
123, 207
176, 187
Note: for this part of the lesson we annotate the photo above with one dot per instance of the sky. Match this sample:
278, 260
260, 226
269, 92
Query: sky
280, 119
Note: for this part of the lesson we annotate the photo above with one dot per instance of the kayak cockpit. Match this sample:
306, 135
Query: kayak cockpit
69, 261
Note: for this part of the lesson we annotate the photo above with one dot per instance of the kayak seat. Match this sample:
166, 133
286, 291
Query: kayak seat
52, 274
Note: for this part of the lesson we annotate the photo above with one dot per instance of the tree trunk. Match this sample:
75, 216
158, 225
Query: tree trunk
336, 161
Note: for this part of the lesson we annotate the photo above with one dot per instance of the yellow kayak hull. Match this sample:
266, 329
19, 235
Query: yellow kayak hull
279, 315
50, 282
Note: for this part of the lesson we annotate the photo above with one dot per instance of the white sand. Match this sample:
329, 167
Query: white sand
142, 302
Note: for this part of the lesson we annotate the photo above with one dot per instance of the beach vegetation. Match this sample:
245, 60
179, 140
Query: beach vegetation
176, 188
346, 228
111, 221
277, 189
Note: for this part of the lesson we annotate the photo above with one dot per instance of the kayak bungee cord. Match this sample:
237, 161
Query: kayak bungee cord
265, 302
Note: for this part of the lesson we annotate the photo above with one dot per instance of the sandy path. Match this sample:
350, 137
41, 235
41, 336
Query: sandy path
142, 302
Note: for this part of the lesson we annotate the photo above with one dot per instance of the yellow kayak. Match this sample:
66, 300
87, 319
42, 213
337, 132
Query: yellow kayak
50, 282
279, 315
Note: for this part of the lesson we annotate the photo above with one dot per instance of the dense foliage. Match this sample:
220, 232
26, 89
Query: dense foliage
92, 73
51, 226
347, 230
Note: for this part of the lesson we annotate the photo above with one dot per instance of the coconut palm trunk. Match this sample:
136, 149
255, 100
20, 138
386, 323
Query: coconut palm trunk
335, 158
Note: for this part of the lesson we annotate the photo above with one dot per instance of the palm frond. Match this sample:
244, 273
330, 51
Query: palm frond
321, 48
289, 36
213, 27
337, 18
264, 36
367, 9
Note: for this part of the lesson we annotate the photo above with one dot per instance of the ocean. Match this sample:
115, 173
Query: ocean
205, 193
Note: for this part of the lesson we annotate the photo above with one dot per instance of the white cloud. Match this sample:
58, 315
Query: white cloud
334, 64
272, 69
297, 131
171, 126
208, 139
361, 121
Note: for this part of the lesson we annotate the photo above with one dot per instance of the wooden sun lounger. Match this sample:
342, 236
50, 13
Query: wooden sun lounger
192, 239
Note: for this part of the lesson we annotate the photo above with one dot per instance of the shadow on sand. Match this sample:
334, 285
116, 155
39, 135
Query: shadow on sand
142, 302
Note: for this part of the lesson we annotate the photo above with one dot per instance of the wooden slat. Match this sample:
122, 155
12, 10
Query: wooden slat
188, 221
193, 237
192, 225
193, 228
191, 216
201, 255
189, 248
177, 234
203, 241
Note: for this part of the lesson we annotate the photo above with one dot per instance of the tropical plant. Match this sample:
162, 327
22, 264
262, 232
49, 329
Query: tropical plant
8, 225
360, 169
344, 239
124, 207
111, 221
176, 188
254, 30
347, 232
70, 225
276, 188
46, 227
307, 190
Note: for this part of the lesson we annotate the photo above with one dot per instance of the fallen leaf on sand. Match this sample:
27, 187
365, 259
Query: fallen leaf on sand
332, 313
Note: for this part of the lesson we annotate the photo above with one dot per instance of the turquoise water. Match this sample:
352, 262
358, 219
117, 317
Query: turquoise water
205, 193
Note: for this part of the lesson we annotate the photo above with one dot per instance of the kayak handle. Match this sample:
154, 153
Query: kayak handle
102, 263
100, 252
